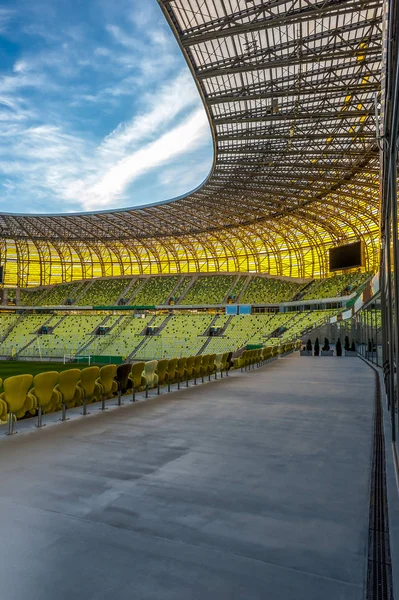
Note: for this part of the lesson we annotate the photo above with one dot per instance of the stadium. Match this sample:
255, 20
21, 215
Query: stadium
199, 362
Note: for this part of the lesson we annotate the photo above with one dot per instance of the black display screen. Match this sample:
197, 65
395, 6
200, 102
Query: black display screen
347, 257
1, 274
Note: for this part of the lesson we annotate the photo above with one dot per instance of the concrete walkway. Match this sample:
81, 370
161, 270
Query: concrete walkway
251, 487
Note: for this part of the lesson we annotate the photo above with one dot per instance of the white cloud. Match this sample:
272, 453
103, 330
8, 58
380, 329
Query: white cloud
6, 16
162, 108
180, 139
48, 148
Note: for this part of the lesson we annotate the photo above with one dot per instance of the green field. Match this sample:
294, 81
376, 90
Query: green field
8, 368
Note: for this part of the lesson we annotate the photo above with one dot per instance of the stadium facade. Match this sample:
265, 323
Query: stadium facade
290, 90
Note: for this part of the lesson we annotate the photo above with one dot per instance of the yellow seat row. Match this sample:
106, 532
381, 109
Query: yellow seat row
53, 391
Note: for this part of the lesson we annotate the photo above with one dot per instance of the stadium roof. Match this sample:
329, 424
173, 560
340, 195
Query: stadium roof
290, 89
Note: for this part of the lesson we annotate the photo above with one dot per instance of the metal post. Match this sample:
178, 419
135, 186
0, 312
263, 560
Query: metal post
133, 394
84, 412
63, 413
119, 403
40, 417
178, 381
187, 381
11, 425
146, 390
158, 390
103, 407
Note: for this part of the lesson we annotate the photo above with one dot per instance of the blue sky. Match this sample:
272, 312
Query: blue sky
98, 109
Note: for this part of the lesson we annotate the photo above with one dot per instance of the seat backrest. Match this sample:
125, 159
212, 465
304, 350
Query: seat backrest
149, 371
88, 378
172, 366
67, 383
181, 366
198, 364
211, 363
122, 376
107, 374
190, 365
15, 391
162, 369
219, 361
44, 384
205, 361
136, 373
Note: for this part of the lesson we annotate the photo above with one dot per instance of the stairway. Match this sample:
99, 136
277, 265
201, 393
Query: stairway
244, 287
231, 288
80, 291
125, 293
139, 287
188, 288
303, 289
11, 327
206, 334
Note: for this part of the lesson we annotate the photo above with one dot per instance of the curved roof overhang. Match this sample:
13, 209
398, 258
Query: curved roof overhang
290, 88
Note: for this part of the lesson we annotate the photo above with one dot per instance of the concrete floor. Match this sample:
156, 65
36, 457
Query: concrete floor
251, 487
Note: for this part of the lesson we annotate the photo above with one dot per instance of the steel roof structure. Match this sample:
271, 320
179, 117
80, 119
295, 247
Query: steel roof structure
290, 89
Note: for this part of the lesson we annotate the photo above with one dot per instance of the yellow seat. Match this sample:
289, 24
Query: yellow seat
162, 372
219, 365
172, 371
211, 365
197, 368
205, 366
137, 379
189, 368
91, 388
242, 361
150, 376
17, 399
3, 408
71, 393
48, 399
181, 370
107, 383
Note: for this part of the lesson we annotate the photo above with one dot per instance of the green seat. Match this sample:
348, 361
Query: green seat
162, 372
137, 379
150, 376
17, 399
71, 392
48, 399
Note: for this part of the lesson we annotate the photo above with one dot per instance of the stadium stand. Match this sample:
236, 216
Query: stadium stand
332, 287
192, 290
155, 290
208, 290
269, 290
103, 292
